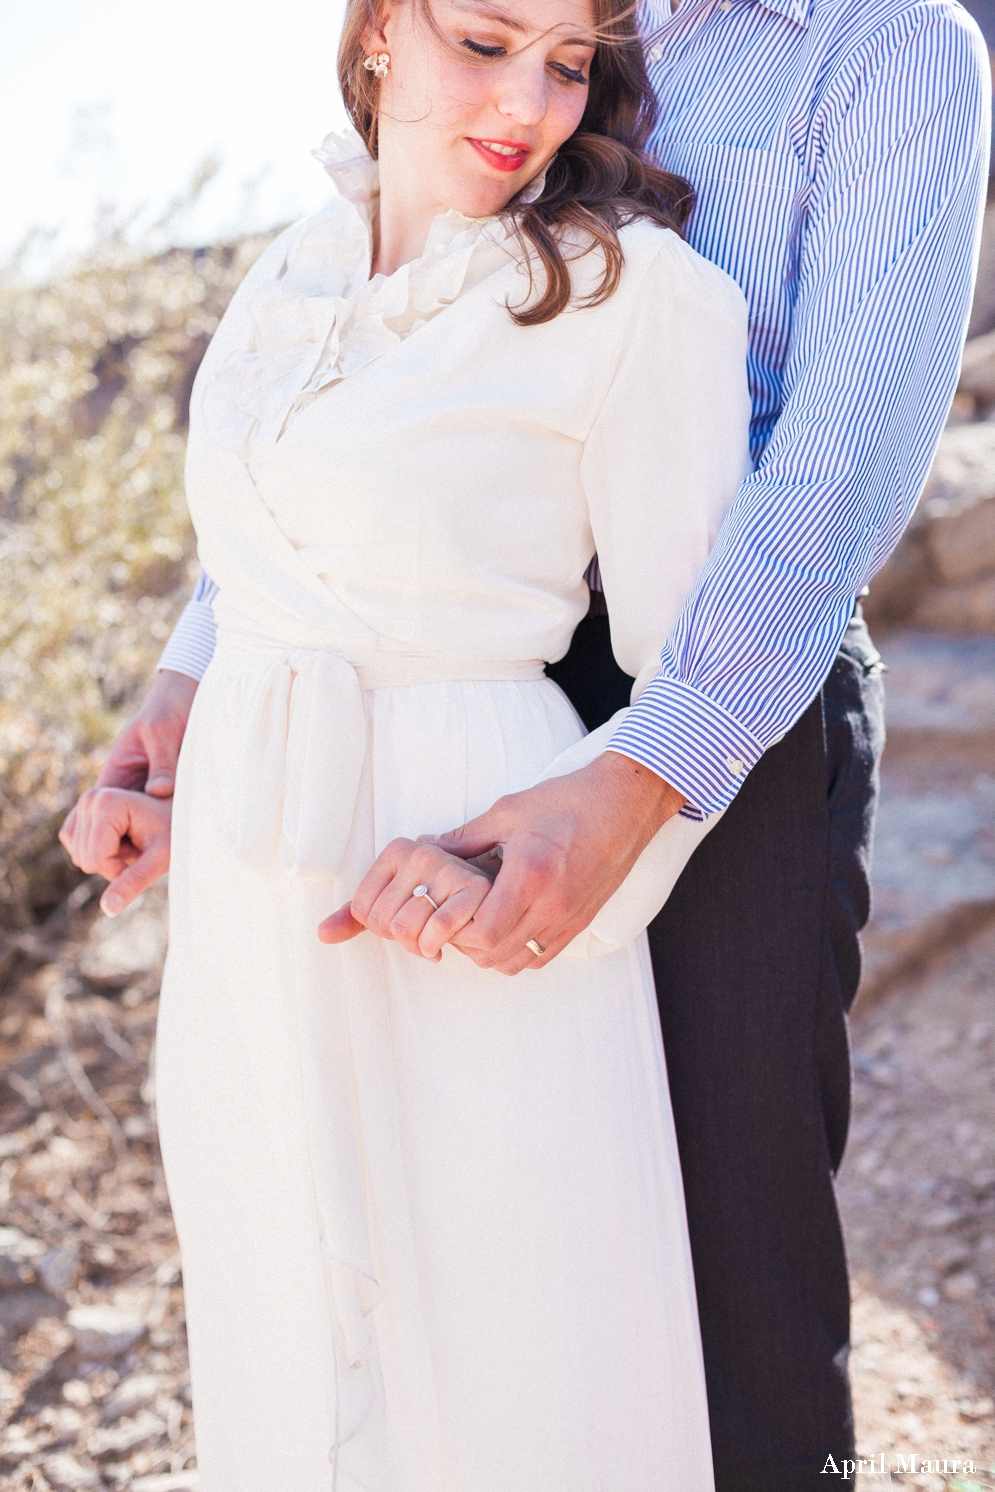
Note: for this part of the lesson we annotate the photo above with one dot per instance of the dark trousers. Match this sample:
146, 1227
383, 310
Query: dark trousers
756, 960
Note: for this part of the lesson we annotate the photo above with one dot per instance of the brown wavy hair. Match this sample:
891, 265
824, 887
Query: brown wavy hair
601, 177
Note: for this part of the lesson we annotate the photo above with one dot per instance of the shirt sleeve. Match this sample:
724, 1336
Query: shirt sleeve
191, 645
885, 273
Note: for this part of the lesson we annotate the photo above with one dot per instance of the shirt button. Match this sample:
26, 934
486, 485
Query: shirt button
655, 53
735, 765
726, 5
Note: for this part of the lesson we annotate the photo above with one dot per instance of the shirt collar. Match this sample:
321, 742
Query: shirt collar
797, 11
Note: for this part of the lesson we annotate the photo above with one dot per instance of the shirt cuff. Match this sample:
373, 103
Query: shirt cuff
191, 647
689, 741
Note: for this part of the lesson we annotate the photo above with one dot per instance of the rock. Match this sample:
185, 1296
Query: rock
133, 943
958, 608
977, 370
945, 1218
67, 1474
976, 1409
57, 1268
131, 1394
933, 865
21, 1309
103, 1332
63, 1423
949, 546
960, 1286
983, 309
126, 1435
17, 1257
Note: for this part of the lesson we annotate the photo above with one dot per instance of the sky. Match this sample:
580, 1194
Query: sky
121, 101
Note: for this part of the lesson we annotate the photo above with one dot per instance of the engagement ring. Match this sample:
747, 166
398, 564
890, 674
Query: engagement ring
423, 891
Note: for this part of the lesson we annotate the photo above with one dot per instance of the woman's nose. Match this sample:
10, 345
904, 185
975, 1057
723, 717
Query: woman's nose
523, 92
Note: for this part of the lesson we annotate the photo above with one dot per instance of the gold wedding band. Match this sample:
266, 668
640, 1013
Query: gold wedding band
423, 891
535, 948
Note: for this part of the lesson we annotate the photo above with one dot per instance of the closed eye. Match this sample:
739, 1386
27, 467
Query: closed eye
480, 50
571, 75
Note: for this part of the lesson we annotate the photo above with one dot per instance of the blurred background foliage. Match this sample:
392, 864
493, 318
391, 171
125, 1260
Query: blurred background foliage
96, 546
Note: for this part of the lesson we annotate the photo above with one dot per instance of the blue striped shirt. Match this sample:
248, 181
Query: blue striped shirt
839, 152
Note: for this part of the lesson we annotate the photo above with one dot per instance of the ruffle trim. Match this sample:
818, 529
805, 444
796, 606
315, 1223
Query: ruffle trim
317, 316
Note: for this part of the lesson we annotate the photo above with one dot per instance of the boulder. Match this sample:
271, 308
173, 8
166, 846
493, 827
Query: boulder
977, 371
942, 574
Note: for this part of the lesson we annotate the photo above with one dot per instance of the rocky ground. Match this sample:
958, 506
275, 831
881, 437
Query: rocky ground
93, 1375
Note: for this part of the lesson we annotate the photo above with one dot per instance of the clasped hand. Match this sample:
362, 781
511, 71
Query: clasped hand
567, 845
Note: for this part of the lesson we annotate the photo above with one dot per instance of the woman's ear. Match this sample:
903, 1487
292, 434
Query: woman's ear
373, 38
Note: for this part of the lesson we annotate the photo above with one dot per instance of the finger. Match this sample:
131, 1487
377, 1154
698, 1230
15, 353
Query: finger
379, 876
100, 825
454, 914
67, 830
138, 877
409, 921
474, 837
163, 748
126, 764
339, 927
387, 909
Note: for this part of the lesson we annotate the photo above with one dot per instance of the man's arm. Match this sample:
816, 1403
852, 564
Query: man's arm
191, 646
885, 280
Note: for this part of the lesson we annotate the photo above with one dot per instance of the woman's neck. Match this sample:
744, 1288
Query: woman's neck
404, 220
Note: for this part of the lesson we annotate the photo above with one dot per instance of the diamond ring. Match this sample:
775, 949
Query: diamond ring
423, 891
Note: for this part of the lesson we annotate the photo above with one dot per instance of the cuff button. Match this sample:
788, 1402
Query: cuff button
735, 765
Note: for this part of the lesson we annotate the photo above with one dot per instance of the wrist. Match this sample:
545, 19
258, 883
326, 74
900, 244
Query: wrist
644, 799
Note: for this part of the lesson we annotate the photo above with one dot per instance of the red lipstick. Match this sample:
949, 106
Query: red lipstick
510, 158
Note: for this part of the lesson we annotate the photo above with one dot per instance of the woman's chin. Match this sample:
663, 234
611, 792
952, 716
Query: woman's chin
482, 198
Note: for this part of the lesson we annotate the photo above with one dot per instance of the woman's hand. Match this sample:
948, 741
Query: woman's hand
384, 903
123, 836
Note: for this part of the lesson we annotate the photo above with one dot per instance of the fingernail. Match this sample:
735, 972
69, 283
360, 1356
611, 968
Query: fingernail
111, 904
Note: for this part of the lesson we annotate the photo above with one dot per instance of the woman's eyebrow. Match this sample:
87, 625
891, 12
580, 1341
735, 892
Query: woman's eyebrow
492, 12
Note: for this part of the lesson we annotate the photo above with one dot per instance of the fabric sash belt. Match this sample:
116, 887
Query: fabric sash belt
304, 741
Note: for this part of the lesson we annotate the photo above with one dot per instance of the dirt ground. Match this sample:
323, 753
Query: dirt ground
917, 1190
103, 1402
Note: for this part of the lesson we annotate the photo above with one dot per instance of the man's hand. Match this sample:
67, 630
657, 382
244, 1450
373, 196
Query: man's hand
568, 844
142, 760
123, 836
144, 756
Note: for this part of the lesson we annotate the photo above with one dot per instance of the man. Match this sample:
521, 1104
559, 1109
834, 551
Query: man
838, 149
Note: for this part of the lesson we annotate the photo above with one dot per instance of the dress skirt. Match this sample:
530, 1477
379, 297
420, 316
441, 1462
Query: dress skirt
431, 1217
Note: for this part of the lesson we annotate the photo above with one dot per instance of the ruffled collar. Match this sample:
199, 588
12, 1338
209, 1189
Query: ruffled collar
310, 315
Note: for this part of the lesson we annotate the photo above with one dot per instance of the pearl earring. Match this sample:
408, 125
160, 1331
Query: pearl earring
378, 63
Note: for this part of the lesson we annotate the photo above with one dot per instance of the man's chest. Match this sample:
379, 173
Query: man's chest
736, 96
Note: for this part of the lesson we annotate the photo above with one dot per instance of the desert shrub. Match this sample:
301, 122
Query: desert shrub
96, 550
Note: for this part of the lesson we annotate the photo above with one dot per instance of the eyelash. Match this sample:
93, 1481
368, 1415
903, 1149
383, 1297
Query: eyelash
568, 74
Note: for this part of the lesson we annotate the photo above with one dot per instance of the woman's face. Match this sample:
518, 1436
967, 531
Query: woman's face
467, 121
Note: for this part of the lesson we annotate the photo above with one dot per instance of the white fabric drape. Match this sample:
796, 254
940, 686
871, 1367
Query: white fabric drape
431, 1219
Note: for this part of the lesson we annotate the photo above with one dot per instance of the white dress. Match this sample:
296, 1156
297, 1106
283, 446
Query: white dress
431, 1218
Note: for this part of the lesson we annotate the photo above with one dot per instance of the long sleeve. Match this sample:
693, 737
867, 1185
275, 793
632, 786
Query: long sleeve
191, 644
662, 464
885, 275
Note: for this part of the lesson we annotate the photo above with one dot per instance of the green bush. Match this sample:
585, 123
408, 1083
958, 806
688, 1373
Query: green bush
96, 546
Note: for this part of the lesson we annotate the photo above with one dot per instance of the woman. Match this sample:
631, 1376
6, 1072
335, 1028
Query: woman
432, 1220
